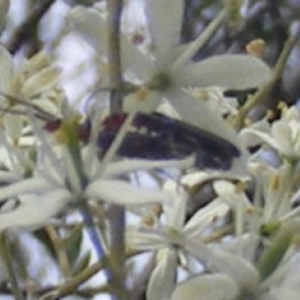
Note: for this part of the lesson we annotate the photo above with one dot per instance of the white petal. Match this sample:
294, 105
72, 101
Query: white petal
9, 177
265, 137
35, 64
26, 186
251, 139
283, 135
207, 287
225, 189
162, 279
215, 99
134, 24
10, 158
120, 192
291, 113
238, 269
165, 20
295, 128
13, 125
228, 192
198, 178
142, 100
34, 210
194, 246
200, 220
47, 105
277, 188
230, 71
246, 246
127, 165
143, 240
195, 112
176, 211
40, 81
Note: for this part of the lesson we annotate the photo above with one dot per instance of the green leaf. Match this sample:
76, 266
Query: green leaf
44, 238
273, 254
73, 244
82, 264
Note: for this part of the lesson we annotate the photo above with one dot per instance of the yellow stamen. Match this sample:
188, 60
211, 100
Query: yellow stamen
256, 47
269, 114
274, 182
281, 106
141, 94
241, 186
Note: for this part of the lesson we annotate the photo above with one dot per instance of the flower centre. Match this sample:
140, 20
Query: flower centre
159, 82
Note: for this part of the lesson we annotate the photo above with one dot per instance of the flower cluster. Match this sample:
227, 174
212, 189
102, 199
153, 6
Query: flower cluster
232, 229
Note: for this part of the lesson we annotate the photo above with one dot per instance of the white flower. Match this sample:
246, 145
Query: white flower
282, 284
34, 81
59, 179
275, 193
270, 211
167, 71
282, 135
177, 238
272, 204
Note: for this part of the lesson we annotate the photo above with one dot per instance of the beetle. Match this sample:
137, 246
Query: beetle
158, 136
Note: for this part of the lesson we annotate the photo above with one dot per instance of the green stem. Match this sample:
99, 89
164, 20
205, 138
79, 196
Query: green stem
114, 8
72, 285
194, 46
273, 254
